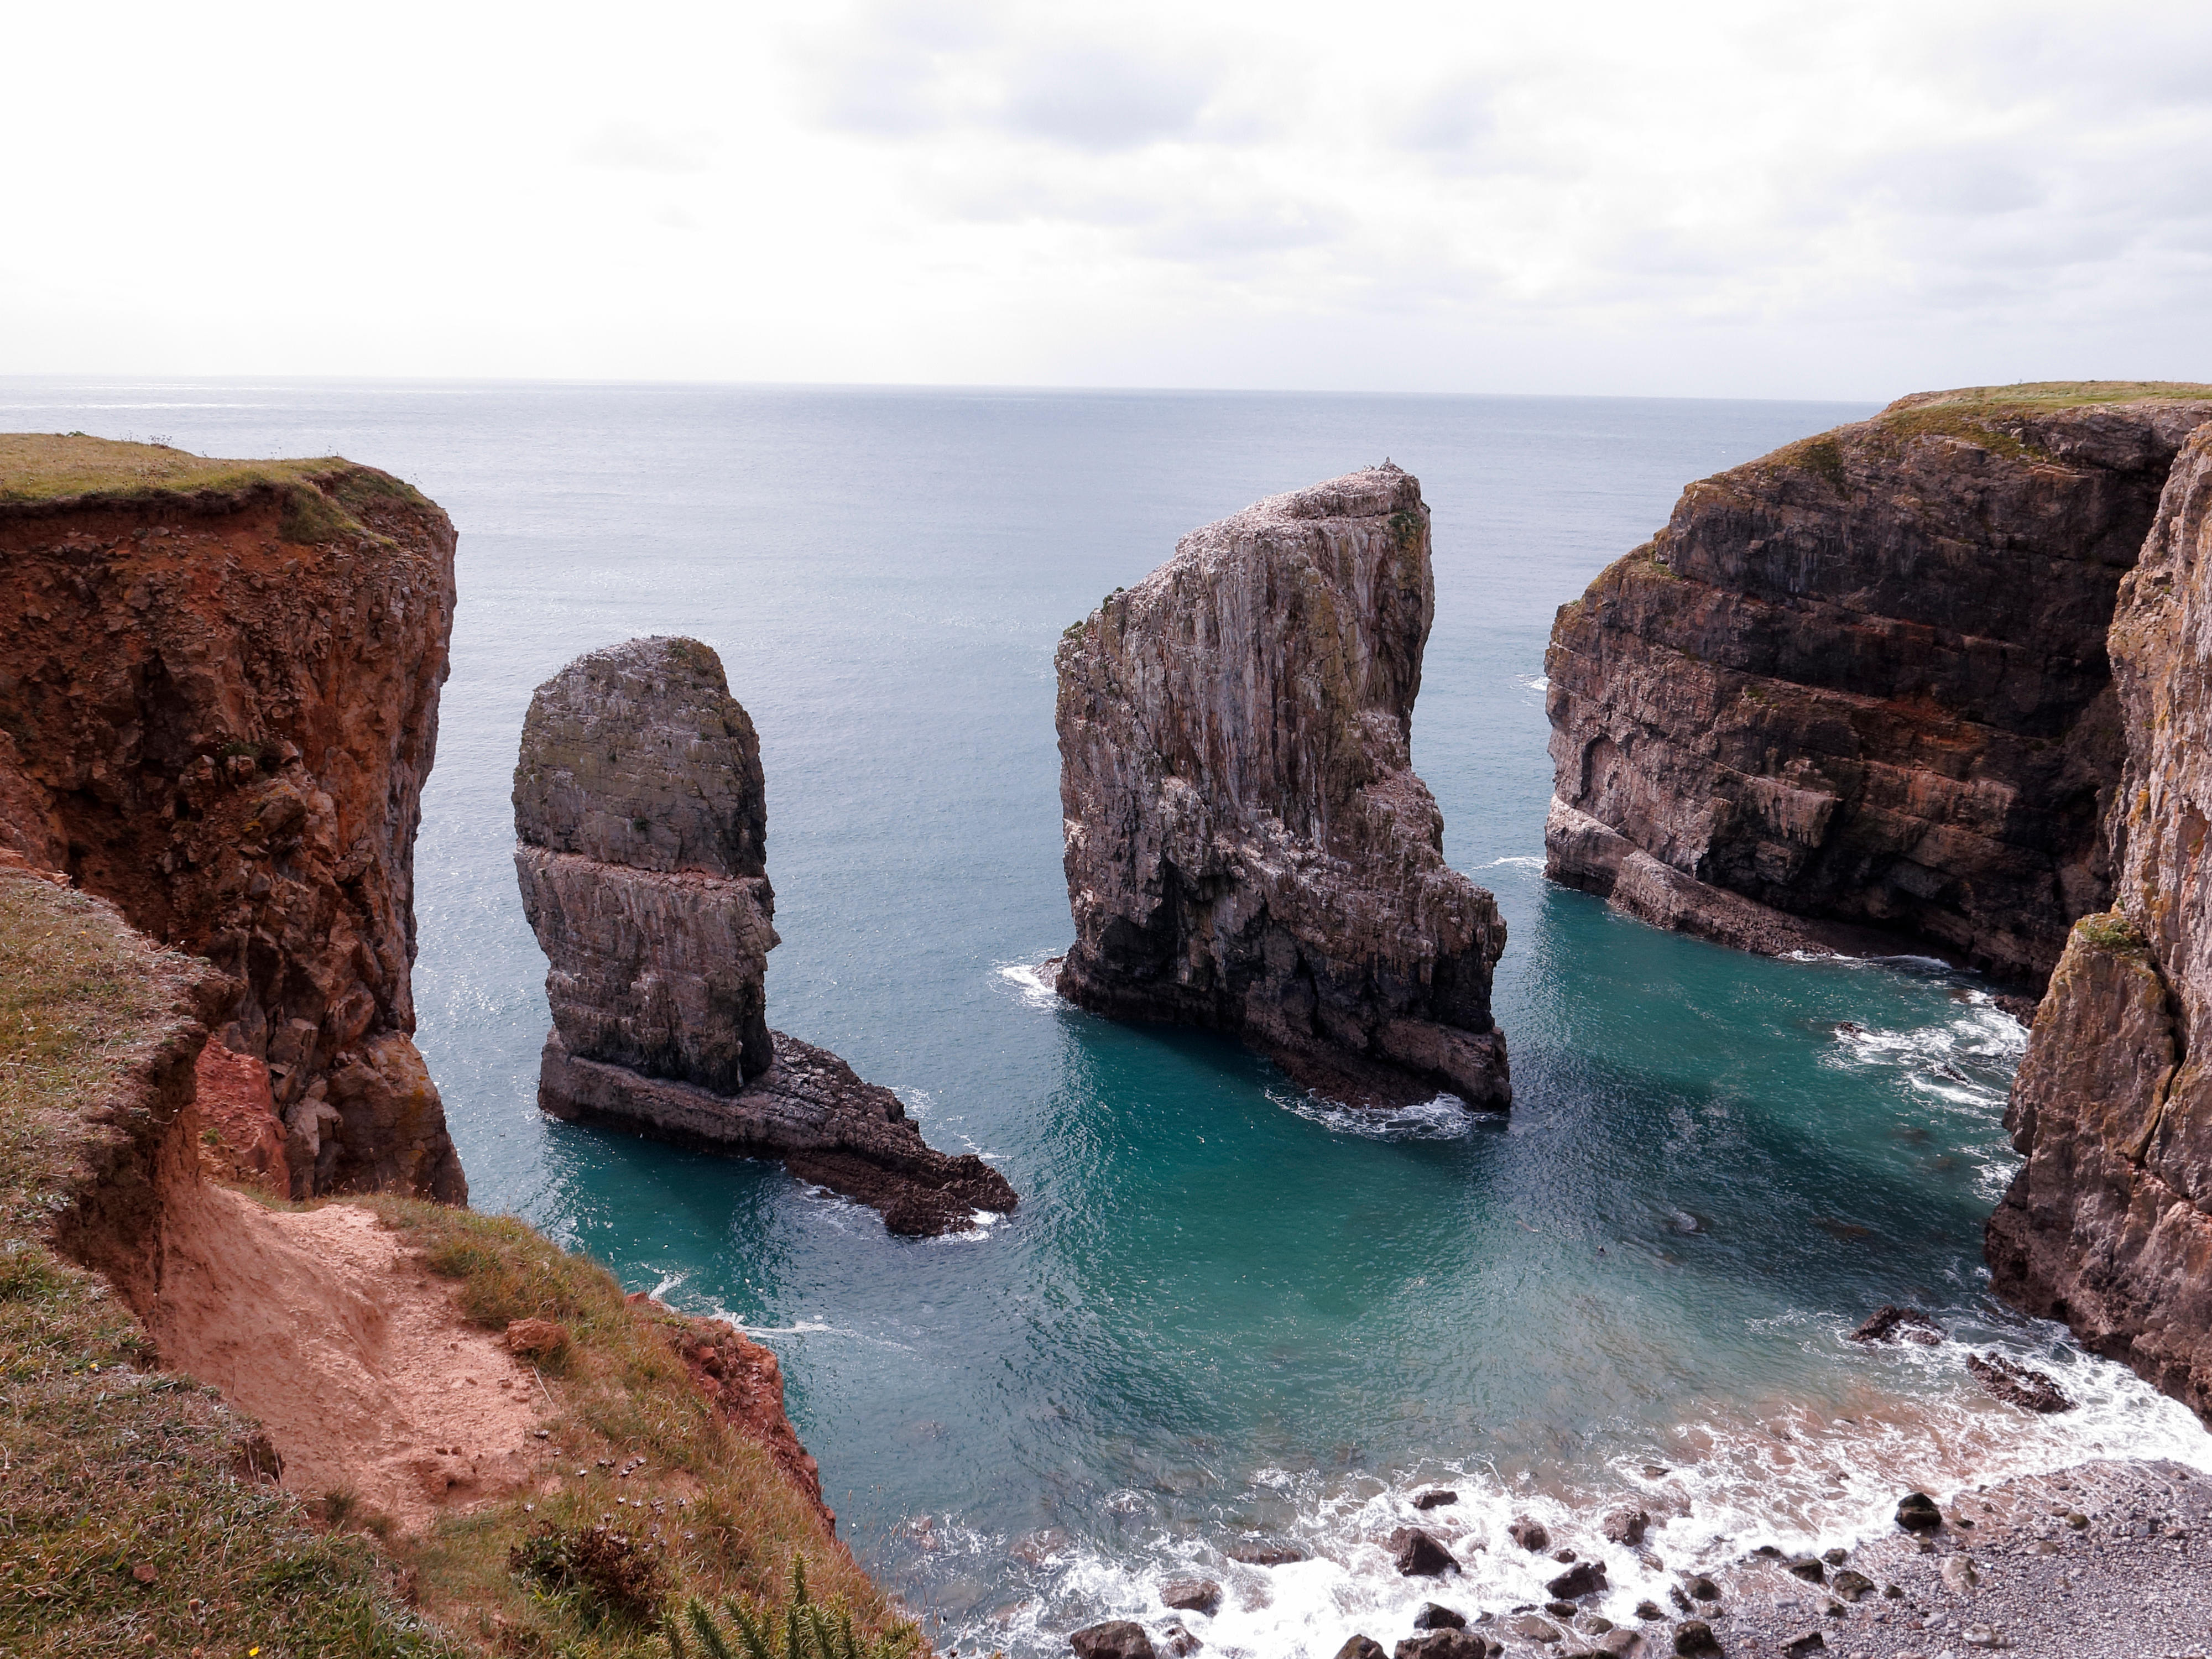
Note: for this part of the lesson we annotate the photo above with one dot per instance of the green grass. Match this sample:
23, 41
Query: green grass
2111, 930
2038, 396
322, 499
110, 1464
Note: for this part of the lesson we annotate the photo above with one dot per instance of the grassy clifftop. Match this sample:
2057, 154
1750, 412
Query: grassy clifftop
2040, 397
137, 1512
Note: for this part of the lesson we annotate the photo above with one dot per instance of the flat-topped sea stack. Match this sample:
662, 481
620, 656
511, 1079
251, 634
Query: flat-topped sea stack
1855, 693
1248, 848
2108, 1225
642, 824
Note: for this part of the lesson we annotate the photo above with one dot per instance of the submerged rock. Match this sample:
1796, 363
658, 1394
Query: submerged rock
2020, 1385
1891, 1323
641, 823
1861, 684
1248, 848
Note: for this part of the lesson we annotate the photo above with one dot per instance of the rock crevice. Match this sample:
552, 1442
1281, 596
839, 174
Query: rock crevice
642, 821
1248, 848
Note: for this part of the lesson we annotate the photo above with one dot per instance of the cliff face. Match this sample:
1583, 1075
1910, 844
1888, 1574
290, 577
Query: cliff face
2109, 1224
219, 689
1862, 684
1248, 848
642, 825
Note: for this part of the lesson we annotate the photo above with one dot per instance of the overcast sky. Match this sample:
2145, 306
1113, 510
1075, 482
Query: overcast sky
1847, 200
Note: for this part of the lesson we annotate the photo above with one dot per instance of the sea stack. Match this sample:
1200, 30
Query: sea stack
642, 821
1855, 695
1248, 848
2108, 1225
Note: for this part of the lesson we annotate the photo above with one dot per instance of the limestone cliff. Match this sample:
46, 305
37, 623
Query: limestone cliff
642, 825
219, 689
2109, 1224
1248, 848
1857, 692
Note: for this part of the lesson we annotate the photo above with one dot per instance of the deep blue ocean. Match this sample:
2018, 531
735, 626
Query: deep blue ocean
1223, 1310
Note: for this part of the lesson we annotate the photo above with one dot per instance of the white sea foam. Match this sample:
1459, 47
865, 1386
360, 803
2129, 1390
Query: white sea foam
1030, 982
1517, 860
1444, 1118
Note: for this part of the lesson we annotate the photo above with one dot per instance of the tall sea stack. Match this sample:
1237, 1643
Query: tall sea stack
2109, 1225
1855, 693
1248, 848
642, 821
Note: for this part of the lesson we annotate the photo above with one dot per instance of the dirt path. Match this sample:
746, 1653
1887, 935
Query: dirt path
349, 1352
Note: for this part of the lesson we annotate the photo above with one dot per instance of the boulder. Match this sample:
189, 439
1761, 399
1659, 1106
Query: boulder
1583, 1578
1529, 1533
1177, 1640
1916, 1512
1192, 1595
1626, 1527
1248, 848
1361, 1647
1848, 1585
1418, 1554
1694, 1636
1453, 1643
1435, 1499
1116, 1638
1810, 1569
1431, 1615
1266, 1553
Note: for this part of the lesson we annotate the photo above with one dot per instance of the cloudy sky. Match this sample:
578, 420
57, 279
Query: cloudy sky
1696, 199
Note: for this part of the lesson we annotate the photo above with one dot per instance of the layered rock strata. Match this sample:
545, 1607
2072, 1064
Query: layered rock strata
1248, 848
2108, 1225
1855, 693
642, 825
219, 687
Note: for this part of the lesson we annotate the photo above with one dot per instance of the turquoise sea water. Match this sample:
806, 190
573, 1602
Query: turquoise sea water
1223, 1309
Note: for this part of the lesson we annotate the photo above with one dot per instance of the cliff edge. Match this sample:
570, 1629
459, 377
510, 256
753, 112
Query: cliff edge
1855, 693
641, 823
2108, 1225
1248, 848
219, 689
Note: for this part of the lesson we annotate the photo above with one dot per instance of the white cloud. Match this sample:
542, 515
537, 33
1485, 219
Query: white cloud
1724, 197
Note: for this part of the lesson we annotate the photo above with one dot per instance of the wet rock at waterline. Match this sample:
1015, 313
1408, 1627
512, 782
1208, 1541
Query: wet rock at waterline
1116, 1638
1248, 848
1191, 1595
1433, 1615
1529, 1533
1361, 1647
1891, 1323
1418, 1554
642, 820
1453, 1643
2018, 1384
1626, 1527
1436, 1498
1916, 1512
1583, 1578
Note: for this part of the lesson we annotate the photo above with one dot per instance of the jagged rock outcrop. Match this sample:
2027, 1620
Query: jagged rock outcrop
642, 825
219, 688
1248, 848
2108, 1225
1855, 693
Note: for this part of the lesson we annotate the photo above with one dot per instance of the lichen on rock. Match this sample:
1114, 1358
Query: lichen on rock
1248, 848
641, 823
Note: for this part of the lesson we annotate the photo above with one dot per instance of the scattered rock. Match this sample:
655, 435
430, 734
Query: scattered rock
1447, 1644
1850, 1585
1583, 1578
2019, 1385
1620, 1644
1361, 1647
1916, 1512
1891, 1323
1561, 1609
1535, 1629
1703, 1588
144, 1573
1118, 1638
1435, 1499
1805, 1642
2076, 1520
1810, 1570
1649, 1610
1835, 1557
1433, 1615
1626, 1527
1192, 1595
1418, 1554
1177, 1641
1694, 1636
1529, 1533
1960, 1576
